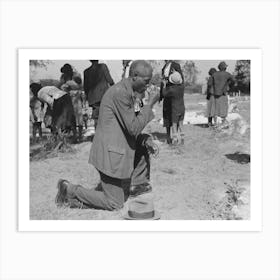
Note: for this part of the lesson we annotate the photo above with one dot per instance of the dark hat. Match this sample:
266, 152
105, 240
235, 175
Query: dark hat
66, 68
141, 208
212, 71
35, 87
222, 65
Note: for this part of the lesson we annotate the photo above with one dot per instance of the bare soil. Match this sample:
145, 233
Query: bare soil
207, 178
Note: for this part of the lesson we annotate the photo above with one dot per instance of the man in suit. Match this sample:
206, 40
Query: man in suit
97, 80
119, 150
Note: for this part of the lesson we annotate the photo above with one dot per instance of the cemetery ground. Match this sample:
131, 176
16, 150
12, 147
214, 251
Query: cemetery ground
207, 178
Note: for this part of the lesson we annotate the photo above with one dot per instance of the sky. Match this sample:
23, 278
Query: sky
115, 67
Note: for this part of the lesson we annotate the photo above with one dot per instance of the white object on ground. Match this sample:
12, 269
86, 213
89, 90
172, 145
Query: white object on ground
234, 119
89, 132
193, 117
202, 103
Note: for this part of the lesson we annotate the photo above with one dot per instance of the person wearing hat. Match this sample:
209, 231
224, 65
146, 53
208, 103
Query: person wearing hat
119, 150
97, 80
170, 67
222, 80
210, 112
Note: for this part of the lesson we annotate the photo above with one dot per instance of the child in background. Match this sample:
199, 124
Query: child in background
37, 115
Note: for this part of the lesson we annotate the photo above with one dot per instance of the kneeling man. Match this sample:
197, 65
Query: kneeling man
119, 150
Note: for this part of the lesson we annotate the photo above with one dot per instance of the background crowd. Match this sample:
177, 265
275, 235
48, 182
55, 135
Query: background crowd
50, 105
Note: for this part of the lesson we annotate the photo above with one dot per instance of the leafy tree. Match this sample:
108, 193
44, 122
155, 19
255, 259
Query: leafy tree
242, 75
35, 64
190, 72
156, 65
39, 63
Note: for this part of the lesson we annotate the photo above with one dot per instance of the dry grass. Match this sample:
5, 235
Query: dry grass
188, 182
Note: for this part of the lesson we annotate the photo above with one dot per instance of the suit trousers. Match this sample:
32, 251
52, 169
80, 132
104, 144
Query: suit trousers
141, 172
114, 191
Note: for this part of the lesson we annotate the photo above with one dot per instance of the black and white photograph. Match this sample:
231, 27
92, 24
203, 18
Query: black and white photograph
139, 139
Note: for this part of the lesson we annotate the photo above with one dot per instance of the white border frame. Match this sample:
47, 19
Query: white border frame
254, 224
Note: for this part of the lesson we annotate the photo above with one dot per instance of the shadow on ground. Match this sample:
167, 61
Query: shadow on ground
202, 125
44, 148
159, 136
239, 157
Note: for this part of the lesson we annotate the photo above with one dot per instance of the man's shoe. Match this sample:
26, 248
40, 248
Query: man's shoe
61, 196
140, 189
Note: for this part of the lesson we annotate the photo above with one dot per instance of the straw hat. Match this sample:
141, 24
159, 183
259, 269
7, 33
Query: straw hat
175, 78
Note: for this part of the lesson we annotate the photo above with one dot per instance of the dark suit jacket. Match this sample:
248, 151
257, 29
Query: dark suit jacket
113, 147
221, 81
97, 79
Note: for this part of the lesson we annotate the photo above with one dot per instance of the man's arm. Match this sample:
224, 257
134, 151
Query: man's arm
107, 75
86, 87
125, 114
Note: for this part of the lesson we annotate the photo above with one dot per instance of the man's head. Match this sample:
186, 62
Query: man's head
222, 66
212, 71
66, 69
94, 61
140, 73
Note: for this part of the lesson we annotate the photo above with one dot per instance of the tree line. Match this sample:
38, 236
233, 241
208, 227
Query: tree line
190, 71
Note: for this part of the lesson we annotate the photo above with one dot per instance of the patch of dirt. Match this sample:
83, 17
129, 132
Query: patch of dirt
190, 182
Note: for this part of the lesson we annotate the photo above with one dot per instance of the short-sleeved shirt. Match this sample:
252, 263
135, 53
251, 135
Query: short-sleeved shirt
49, 93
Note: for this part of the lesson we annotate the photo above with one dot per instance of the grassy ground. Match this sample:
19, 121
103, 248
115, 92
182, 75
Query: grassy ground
204, 179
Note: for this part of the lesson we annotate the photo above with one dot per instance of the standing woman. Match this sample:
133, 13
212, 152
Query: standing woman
210, 113
97, 80
63, 111
223, 80
72, 84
